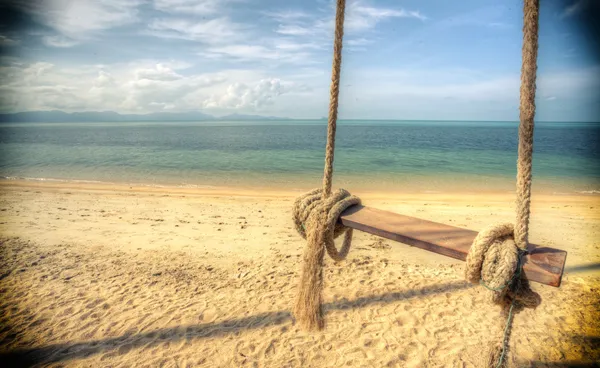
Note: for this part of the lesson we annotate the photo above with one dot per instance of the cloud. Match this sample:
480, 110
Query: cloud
243, 52
7, 41
149, 95
488, 16
358, 42
550, 98
361, 17
59, 41
294, 30
199, 7
286, 15
282, 52
159, 73
286, 44
32, 72
82, 19
574, 8
582, 82
212, 31
135, 87
239, 95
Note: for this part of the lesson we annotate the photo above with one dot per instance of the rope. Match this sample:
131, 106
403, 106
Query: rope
495, 258
333, 97
316, 213
527, 113
495, 262
316, 220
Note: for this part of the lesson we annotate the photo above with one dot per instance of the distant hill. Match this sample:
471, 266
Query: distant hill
111, 116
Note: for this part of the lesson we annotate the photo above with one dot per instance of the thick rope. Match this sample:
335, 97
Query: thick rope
495, 262
316, 220
495, 258
316, 213
527, 114
333, 97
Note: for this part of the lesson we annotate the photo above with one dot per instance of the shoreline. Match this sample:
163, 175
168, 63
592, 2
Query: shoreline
276, 190
574, 217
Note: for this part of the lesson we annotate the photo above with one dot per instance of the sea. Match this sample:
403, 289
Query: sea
421, 156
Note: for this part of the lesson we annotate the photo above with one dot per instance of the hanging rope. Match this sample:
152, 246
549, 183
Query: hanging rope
316, 220
333, 96
527, 113
495, 258
316, 213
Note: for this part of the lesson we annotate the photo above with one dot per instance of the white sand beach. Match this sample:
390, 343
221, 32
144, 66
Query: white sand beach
119, 276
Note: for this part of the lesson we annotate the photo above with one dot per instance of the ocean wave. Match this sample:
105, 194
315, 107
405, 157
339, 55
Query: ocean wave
81, 181
589, 192
53, 180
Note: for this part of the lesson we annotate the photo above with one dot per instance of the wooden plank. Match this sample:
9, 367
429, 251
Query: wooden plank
543, 265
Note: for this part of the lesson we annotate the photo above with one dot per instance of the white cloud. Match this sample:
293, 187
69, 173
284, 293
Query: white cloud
362, 17
159, 73
358, 42
58, 41
493, 16
286, 44
148, 86
574, 8
294, 30
152, 89
244, 52
34, 71
287, 15
137, 87
104, 91
199, 7
84, 18
239, 95
285, 52
213, 31
566, 84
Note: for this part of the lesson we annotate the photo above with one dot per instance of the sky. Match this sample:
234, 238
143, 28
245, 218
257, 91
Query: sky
409, 59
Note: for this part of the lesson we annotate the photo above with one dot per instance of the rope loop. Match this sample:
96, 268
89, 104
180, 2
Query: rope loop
496, 262
311, 209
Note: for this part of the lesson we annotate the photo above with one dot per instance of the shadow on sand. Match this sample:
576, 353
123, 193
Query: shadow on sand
69, 351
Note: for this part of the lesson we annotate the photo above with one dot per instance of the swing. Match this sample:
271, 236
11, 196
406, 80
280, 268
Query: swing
499, 257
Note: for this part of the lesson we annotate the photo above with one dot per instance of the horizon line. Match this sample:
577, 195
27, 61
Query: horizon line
271, 118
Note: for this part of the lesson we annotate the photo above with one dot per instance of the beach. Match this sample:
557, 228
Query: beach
97, 274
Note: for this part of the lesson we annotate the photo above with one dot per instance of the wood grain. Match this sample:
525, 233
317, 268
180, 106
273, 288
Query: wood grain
543, 265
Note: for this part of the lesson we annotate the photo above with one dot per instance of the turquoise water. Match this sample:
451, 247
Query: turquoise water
427, 155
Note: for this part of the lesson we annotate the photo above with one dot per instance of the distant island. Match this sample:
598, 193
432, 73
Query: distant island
55, 116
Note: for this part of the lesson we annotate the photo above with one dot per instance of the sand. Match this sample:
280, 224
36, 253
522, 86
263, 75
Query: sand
119, 276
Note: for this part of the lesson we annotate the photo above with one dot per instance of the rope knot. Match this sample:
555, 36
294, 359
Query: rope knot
318, 217
495, 261
316, 220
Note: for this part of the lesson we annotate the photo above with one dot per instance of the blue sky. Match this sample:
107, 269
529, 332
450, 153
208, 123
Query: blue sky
401, 59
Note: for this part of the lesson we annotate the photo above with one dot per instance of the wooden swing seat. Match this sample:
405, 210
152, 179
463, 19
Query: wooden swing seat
542, 264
